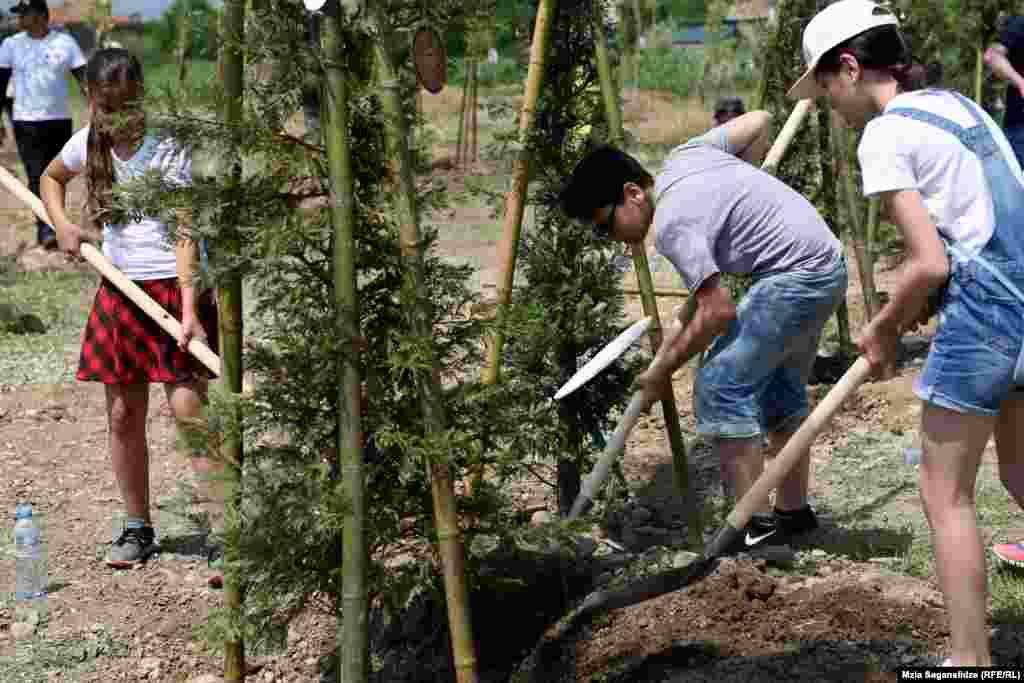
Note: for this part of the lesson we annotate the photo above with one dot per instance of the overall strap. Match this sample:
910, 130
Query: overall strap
977, 138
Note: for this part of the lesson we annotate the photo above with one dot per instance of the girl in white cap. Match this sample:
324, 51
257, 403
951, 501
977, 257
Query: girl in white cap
950, 181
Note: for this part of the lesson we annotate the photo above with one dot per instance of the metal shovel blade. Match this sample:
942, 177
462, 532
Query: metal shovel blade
604, 357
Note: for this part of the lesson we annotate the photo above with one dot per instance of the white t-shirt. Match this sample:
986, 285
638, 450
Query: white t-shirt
140, 249
898, 153
40, 76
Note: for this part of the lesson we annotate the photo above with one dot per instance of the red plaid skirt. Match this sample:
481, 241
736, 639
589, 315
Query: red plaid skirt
123, 345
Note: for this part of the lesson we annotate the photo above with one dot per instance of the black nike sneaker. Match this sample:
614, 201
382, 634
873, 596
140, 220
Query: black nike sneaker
762, 531
795, 522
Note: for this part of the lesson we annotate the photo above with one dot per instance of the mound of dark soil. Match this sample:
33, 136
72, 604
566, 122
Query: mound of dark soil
744, 623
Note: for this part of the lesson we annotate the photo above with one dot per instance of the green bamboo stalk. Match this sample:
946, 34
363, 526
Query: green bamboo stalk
184, 41
645, 283
609, 92
515, 200
462, 112
680, 465
869, 252
474, 129
229, 308
830, 140
979, 73
858, 231
445, 514
353, 638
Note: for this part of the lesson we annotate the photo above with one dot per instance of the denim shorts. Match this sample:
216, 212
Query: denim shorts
754, 378
974, 351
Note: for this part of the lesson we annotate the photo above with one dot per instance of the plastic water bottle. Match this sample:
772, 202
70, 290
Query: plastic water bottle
30, 560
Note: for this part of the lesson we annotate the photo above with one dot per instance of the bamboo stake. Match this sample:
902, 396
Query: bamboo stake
184, 41
97, 260
874, 206
473, 130
442, 489
608, 90
462, 113
516, 197
979, 73
645, 285
229, 309
353, 638
858, 233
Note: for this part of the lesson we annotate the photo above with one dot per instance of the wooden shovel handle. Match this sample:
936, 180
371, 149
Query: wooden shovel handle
616, 445
798, 444
786, 135
131, 290
158, 313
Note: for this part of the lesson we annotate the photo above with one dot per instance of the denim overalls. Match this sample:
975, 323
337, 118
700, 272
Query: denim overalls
977, 356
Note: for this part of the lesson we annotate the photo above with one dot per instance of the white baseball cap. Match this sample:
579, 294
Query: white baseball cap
833, 26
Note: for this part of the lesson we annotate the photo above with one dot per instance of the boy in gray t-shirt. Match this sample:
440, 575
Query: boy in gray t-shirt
718, 213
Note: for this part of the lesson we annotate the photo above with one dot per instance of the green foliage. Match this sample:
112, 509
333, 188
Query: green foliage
682, 10
568, 300
280, 236
671, 69
783, 65
162, 35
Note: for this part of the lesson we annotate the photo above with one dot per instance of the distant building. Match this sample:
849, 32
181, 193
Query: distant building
747, 16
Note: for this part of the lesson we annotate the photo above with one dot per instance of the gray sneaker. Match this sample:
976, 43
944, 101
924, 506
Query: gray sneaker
132, 547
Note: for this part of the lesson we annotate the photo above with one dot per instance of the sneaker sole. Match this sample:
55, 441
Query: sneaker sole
1007, 561
128, 564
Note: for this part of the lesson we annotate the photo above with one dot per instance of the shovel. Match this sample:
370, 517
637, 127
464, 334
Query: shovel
733, 529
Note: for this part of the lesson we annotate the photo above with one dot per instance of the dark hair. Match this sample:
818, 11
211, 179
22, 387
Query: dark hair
598, 181
113, 80
729, 106
882, 48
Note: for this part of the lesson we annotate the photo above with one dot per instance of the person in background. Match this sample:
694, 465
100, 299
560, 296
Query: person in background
39, 60
727, 109
1006, 59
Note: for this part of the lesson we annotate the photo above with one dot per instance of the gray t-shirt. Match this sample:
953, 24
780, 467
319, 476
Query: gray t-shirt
718, 214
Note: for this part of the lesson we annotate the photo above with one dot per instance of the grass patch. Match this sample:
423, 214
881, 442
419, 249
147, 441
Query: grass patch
1006, 593
55, 298
35, 659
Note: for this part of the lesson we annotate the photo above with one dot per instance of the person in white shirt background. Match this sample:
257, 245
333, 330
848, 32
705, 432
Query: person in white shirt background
39, 61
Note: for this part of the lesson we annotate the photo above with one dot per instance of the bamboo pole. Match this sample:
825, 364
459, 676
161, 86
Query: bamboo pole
645, 285
474, 107
608, 90
184, 42
516, 198
462, 113
979, 73
229, 305
353, 637
858, 232
229, 323
429, 381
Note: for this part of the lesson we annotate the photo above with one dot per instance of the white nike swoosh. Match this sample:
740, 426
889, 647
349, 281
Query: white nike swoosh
757, 539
